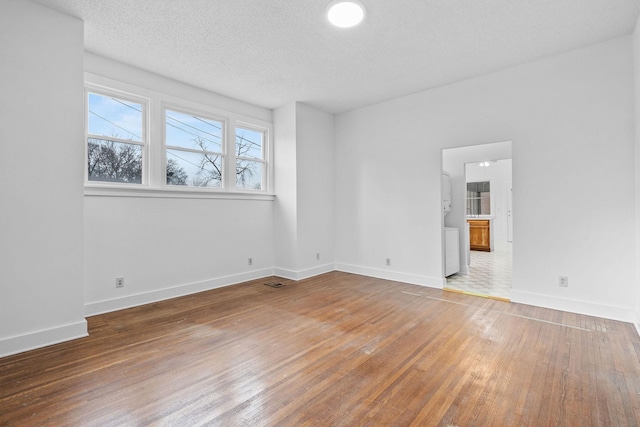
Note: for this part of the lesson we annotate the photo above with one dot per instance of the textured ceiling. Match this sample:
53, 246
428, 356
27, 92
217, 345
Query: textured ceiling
271, 52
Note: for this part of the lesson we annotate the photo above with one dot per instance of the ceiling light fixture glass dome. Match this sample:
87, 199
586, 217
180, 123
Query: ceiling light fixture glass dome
345, 13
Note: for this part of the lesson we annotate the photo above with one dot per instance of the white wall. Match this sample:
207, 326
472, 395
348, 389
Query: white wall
41, 168
315, 187
303, 213
122, 72
636, 79
286, 188
570, 118
165, 247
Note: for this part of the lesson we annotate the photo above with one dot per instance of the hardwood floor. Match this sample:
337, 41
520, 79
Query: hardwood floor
335, 350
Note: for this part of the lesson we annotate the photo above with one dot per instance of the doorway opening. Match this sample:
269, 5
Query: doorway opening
481, 213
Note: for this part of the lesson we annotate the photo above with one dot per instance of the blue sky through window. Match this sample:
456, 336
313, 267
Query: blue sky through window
249, 143
114, 117
193, 132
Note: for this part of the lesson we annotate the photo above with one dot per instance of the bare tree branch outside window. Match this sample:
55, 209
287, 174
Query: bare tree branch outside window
113, 161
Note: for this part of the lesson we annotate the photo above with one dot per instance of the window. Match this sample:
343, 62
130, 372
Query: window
250, 158
194, 150
116, 139
478, 198
143, 143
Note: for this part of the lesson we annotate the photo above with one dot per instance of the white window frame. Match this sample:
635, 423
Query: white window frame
154, 157
144, 138
265, 154
165, 147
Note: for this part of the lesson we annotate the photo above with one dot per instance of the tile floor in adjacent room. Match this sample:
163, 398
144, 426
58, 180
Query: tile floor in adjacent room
490, 273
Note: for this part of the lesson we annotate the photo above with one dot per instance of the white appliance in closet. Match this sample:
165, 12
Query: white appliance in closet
446, 193
451, 251
451, 234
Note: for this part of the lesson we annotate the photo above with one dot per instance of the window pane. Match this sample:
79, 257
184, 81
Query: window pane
249, 143
193, 169
189, 131
113, 117
248, 175
114, 161
479, 198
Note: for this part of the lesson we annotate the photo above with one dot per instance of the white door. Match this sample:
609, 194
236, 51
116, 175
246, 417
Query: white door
509, 212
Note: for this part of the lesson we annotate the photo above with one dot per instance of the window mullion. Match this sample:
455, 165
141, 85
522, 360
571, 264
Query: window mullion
193, 150
230, 160
154, 151
114, 139
267, 170
251, 159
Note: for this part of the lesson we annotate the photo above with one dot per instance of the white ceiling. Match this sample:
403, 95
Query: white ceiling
271, 52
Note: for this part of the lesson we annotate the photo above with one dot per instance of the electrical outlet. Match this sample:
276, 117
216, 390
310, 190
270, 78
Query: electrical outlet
250, 261
318, 256
563, 282
388, 261
119, 282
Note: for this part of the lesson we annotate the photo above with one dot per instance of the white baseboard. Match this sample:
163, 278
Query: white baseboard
46, 337
43, 338
106, 306
580, 307
414, 279
303, 274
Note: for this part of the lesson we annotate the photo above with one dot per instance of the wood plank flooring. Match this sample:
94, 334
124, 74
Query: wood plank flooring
335, 350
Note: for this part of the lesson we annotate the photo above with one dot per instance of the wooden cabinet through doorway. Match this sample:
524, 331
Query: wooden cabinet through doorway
479, 235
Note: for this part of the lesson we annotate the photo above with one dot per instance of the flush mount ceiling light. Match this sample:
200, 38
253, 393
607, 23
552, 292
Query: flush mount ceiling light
484, 164
345, 14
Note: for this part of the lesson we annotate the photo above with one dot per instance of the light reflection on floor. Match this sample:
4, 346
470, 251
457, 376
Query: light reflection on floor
490, 273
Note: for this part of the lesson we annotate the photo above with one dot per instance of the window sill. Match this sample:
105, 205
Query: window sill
166, 193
